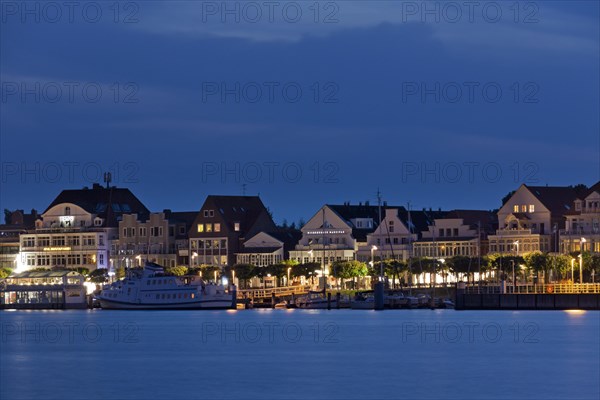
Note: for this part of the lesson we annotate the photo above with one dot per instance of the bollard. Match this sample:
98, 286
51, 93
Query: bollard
234, 297
379, 296
272, 300
329, 301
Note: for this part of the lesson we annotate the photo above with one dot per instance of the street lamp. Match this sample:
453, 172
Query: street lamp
288, 274
580, 268
233, 276
573, 269
516, 243
373, 248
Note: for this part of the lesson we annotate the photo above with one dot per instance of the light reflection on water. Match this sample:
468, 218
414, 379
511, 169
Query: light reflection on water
299, 354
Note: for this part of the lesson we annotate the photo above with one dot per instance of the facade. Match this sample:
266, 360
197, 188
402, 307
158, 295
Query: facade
457, 233
156, 237
396, 236
267, 248
17, 223
223, 224
531, 219
77, 228
336, 233
43, 290
582, 228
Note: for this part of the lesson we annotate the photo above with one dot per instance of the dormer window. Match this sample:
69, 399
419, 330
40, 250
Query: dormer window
209, 213
236, 226
67, 210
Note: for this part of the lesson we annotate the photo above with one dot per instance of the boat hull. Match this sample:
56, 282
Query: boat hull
197, 305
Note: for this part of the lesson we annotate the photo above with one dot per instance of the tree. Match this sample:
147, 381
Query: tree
507, 197
462, 265
208, 271
393, 268
349, 269
536, 262
305, 269
98, 275
176, 271
7, 216
244, 272
5, 272
120, 273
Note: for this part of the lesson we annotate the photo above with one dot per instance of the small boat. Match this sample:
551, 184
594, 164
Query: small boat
424, 300
282, 304
150, 289
363, 301
316, 300
396, 300
446, 303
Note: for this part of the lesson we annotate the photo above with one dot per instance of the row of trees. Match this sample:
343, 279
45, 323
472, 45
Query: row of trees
542, 265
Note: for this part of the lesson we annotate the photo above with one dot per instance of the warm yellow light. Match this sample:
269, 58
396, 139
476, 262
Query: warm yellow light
575, 312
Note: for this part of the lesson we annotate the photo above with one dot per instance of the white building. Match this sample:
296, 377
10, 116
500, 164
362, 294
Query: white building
457, 233
582, 229
77, 228
531, 218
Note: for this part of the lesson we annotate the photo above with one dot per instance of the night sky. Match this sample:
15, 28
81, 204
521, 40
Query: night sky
179, 100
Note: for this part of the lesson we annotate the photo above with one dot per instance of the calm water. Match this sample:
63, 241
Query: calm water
299, 354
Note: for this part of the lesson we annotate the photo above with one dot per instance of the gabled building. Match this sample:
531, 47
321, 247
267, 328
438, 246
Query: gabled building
395, 237
457, 233
267, 248
335, 233
531, 219
77, 228
223, 224
156, 237
582, 228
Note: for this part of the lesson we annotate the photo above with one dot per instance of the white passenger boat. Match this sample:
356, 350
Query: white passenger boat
150, 289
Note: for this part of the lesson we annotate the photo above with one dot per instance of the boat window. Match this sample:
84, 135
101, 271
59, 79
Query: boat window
157, 296
179, 296
185, 295
192, 295
163, 296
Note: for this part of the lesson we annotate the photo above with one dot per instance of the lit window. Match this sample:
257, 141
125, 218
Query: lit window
531, 208
200, 228
515, 208
236, 226
192, 295
523, 208
217, 227
208, 227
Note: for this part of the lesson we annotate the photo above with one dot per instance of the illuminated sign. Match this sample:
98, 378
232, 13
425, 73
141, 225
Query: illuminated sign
57, 249
324, 232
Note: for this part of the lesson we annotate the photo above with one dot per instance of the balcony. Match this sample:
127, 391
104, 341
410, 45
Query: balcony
513, 232
580, 232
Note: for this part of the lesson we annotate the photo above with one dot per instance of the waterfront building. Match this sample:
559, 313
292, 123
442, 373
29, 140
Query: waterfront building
457, 233
582, 228
397, 234
160, 237
223, 224
77, 228
43, 289
335, 233
268, 248
531, 218
16, 223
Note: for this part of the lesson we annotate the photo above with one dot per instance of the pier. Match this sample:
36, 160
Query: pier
565, 296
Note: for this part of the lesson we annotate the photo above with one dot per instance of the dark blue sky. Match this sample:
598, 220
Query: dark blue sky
384, 98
